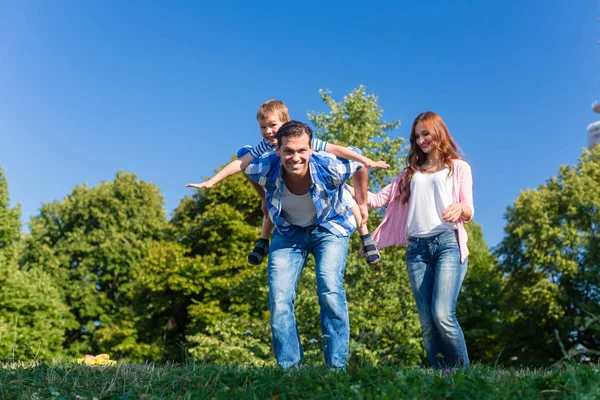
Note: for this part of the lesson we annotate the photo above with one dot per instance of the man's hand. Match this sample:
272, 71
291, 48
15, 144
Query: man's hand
376, 164
204, 185
364, 214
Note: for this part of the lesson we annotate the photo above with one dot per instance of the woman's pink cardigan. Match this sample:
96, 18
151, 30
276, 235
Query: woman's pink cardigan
392, 229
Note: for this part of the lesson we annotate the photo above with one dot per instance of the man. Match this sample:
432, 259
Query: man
303, 195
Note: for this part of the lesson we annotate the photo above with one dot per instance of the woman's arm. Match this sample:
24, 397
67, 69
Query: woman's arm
380, 199
376, 200
465, 193
463, 209
383, 197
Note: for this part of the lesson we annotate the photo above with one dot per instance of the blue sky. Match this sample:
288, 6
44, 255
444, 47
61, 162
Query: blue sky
169, 90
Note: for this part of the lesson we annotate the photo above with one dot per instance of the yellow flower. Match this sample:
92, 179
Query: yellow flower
100, 359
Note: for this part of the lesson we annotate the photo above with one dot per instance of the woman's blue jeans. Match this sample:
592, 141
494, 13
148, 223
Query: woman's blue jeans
436, 275
287, 257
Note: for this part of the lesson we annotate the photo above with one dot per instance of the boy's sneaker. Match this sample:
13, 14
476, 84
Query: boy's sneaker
370, 249
261, 249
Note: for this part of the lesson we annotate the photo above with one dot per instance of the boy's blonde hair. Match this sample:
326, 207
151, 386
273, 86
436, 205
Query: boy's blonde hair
271, 107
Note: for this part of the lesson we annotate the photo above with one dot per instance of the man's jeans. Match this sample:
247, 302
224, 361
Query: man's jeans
286, 260
436, 275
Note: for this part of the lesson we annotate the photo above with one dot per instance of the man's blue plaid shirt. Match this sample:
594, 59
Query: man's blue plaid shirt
328, 176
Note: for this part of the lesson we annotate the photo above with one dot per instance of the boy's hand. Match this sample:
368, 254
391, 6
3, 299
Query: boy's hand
203, 185
376, 164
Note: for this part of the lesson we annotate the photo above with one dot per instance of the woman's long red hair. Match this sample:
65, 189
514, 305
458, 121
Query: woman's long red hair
441, 140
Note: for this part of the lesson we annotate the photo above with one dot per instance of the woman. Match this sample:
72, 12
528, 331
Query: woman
427, 205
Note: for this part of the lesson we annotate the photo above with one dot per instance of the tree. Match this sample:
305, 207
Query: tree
480, 300
228, 310
10, 225
33, 317
384, 324
91, 243
383, 312
223, 295
356, 121
551, 256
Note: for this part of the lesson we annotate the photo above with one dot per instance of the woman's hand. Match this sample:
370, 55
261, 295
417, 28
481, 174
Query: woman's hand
453, 213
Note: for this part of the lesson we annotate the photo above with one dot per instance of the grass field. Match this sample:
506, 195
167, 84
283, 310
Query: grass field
66, 380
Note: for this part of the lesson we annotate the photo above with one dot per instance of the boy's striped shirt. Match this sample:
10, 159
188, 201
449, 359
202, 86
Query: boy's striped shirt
265, 147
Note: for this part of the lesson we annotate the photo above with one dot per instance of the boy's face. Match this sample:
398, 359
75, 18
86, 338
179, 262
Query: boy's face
269, 127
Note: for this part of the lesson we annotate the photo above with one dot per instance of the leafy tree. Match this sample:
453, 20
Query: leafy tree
224, 296
10, 225
479, 303
551, 256
356, 121
91, 243
384, 324
383, 320
163, 283
33, 317
227, 307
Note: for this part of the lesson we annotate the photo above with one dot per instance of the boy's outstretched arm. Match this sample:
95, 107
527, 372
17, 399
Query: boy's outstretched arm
230, 169
344, 152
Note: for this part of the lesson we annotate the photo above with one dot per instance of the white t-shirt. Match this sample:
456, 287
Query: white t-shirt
298, 210
430, 195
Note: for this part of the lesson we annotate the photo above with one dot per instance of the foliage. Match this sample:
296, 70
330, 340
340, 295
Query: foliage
361, 380
356, 121
10, 225
384, 325
479, 303
103, 271
384, 321
33, 317
551, 256
229, 312
224, 296
91, 243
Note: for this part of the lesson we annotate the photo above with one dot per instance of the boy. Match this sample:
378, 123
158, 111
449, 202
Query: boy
271, 115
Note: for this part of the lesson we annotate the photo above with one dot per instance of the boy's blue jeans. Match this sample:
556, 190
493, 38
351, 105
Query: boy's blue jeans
286, 259
436, 275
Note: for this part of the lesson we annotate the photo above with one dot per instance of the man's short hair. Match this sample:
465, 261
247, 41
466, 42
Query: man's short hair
294, 129
271, 107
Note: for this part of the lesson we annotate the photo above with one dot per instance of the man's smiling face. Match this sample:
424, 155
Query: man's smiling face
295, 152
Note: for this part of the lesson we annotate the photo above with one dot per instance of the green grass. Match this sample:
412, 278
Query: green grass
64, 380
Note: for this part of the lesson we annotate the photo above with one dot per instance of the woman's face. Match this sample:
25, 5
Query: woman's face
423, 138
